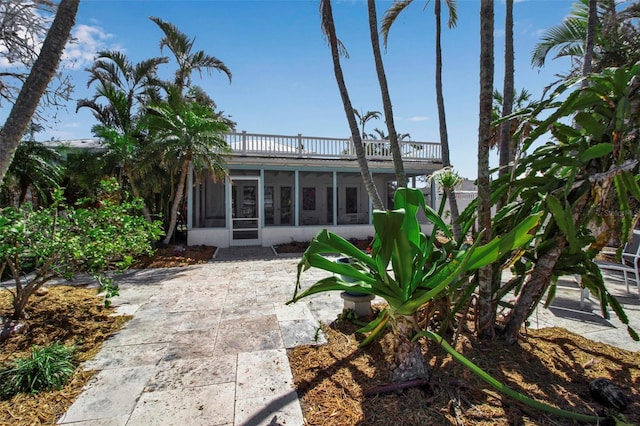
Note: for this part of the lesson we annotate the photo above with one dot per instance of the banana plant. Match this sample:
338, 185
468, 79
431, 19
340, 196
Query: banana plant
405, 267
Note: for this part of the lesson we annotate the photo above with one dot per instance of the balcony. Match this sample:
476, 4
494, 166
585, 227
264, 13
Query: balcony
299, 146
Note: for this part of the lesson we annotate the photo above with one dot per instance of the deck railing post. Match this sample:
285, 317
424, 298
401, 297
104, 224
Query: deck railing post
300, 146
244, 142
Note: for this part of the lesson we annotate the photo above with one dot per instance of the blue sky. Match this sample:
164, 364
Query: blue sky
283, 81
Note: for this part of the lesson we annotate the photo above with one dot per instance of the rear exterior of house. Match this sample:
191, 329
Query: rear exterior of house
287, 188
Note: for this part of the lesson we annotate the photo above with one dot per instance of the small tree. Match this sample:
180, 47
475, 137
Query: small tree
37, 246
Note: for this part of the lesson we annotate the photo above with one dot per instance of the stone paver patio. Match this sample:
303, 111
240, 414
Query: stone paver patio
207, 344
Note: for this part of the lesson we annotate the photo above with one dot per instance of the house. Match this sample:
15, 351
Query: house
465, 193
287, 188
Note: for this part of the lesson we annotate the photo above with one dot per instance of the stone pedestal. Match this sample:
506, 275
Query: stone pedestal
360, 304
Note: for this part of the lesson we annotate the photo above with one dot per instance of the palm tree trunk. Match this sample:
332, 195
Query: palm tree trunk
136, 193
592, 23
41, 74
486, 313
330, 31
507, 150
442, 121
398, 165
532, 291
176, 200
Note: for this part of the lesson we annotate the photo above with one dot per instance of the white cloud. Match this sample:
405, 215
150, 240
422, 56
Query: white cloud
418, 118
86, 41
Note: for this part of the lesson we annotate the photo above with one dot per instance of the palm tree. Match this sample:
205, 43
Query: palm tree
125, 88
486, 313
188, 61
616, 41
34, 166
186, 132
36, 83
338, 49
401, 176
388, 20
364, 118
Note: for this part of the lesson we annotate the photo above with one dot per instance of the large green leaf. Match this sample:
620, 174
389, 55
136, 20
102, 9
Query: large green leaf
334, 283
387, 225
596, 151
499, 246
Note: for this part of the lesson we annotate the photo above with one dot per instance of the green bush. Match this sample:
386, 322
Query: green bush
46, 368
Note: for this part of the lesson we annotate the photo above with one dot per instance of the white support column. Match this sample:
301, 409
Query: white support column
296, 197
335, 198
229, 202
261, 200
190, 198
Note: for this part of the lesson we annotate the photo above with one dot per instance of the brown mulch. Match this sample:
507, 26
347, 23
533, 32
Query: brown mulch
301, 246
176, 255
74, 316
552, 365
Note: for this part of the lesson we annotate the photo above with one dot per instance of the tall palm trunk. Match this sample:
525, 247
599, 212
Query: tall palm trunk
486, 312
442, 121
398, 165
507, 149
592, 24
177, 199
36, 83
329, 30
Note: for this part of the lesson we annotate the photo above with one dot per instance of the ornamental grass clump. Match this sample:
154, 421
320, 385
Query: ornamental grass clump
49, 367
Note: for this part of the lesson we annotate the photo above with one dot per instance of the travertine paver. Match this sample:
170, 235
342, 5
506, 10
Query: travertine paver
127, 356
175, 374
264, 390
207, 343
111, 394
194, 406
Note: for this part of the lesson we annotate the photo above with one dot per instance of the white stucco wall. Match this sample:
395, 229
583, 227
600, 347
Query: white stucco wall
274, 235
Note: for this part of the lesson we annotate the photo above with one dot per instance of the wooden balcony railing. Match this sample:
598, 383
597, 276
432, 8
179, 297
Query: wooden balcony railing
261, 145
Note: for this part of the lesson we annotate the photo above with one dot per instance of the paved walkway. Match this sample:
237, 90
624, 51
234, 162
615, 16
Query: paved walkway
207, 344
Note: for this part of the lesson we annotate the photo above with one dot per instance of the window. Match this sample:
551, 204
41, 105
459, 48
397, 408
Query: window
268, 205
308, 198
352, 199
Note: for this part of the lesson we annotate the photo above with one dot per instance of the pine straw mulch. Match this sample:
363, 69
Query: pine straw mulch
72, 315
551, 365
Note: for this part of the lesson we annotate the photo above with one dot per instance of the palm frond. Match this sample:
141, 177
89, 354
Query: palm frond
327, 24
562, 38
390, 17
453, 13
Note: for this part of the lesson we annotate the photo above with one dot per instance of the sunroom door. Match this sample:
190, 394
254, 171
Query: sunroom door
245, 211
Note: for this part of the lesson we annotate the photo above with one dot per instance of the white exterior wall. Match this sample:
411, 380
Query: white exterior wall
275, 235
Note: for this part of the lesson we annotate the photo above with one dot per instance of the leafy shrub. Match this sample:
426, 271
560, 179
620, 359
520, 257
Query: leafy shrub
49, 367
